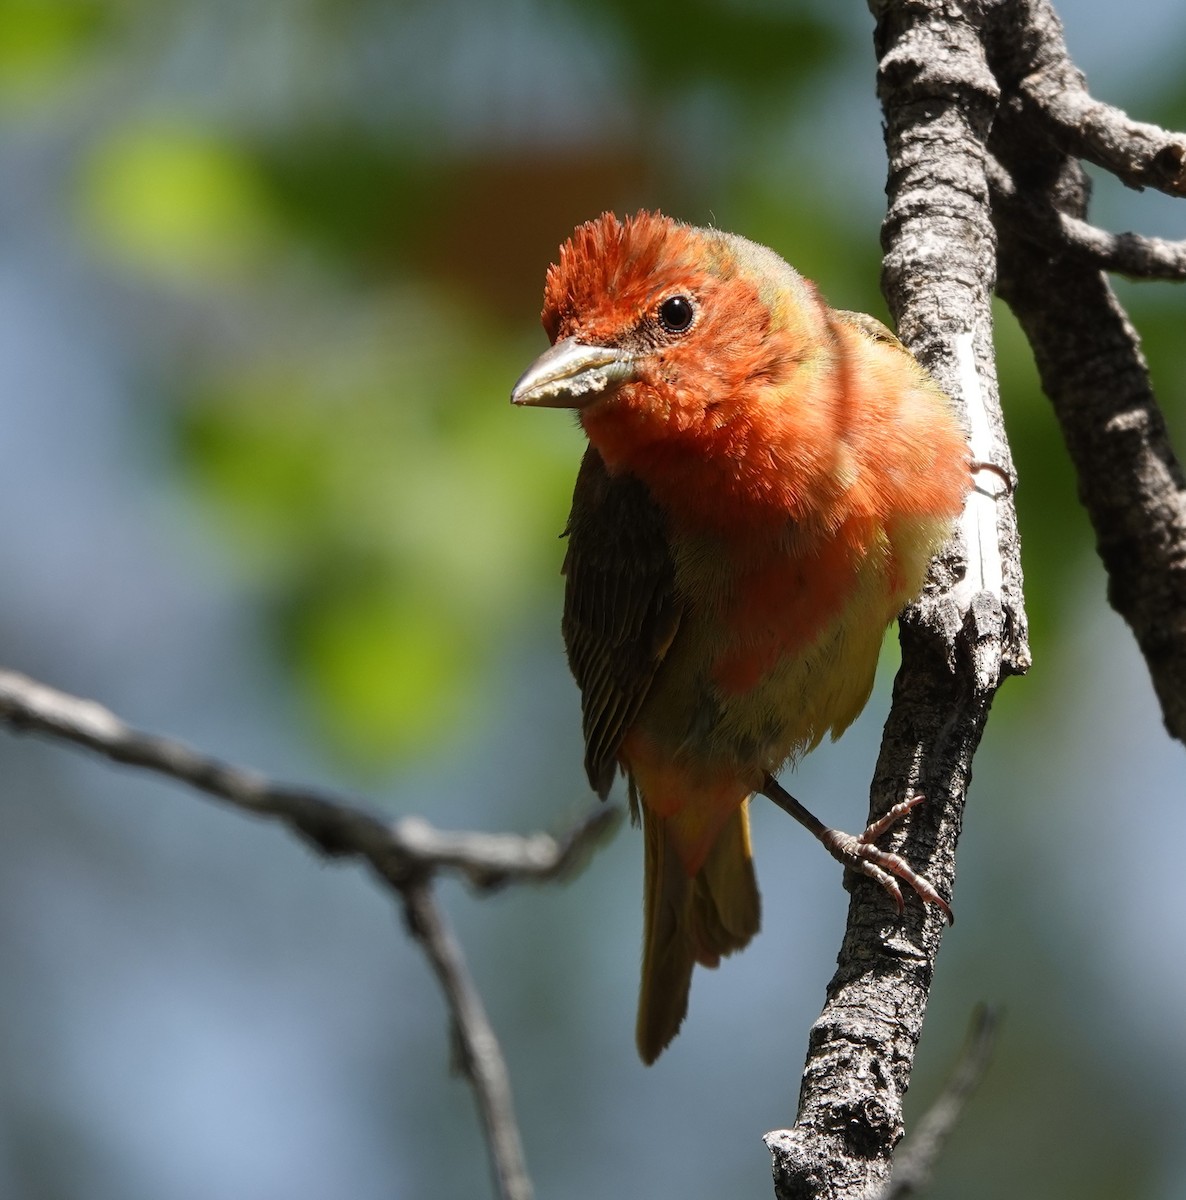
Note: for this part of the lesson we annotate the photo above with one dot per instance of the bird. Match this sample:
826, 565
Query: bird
765, 483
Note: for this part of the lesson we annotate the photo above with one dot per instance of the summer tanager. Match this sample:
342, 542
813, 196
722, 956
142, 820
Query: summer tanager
766, 481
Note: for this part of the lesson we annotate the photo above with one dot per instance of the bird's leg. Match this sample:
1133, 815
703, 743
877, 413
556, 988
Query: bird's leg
859, 853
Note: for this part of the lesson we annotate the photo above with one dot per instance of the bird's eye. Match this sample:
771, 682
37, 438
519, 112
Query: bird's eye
676, 313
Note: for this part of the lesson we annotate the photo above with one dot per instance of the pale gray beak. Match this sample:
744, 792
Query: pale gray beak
571, 375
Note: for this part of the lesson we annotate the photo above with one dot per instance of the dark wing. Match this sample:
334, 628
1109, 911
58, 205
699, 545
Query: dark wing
620, 607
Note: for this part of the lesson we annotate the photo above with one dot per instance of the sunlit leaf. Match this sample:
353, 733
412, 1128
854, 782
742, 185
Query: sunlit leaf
386, 669
178, 200
41, 42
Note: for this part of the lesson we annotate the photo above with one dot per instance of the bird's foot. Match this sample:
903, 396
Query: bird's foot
859, 853
862, 855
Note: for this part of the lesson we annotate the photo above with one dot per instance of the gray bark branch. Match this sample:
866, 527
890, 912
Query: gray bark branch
967, 633
1051, 99
1046, 228
1091, 366
335, 826
478, 1055
984, 112
405, 854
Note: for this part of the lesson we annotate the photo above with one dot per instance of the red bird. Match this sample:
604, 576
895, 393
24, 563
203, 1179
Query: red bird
766, 480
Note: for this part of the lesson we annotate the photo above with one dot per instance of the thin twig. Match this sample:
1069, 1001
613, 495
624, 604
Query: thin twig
1130, 254
1053, 97
406, 854
1137, 153
478, 1054
916, 1159
336, 826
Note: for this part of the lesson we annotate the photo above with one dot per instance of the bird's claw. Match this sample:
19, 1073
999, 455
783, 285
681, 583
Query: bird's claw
862, 855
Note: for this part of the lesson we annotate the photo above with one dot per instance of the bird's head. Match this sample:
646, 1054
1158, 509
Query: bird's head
665, 333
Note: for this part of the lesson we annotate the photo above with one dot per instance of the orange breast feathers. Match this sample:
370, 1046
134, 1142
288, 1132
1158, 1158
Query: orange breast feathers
766, 481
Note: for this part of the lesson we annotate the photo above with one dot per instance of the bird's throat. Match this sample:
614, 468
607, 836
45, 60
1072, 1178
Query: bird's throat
716, 475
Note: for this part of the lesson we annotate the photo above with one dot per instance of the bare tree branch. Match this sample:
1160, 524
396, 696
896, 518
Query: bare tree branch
477, 1051
405, 854
335, 826
1090, 363
915, 1161
1041, 225
1052, 99
949, 74
960, 641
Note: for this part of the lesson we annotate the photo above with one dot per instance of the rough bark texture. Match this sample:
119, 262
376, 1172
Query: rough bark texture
967, 633
1087, 352
982, 101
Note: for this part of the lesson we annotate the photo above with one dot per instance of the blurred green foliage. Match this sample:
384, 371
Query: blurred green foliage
179, 202
43, 42
396, 512
758, 52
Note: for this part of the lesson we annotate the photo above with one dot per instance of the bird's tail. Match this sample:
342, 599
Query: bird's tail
689, 919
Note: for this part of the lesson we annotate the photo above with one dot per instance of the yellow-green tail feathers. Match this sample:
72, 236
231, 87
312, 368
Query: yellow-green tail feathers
689, 920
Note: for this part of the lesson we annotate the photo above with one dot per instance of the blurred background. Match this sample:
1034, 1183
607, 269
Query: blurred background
267, 274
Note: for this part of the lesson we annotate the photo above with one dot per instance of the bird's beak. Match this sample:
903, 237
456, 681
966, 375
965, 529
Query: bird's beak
571, 375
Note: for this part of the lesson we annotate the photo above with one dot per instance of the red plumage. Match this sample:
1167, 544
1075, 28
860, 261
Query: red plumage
766, 481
